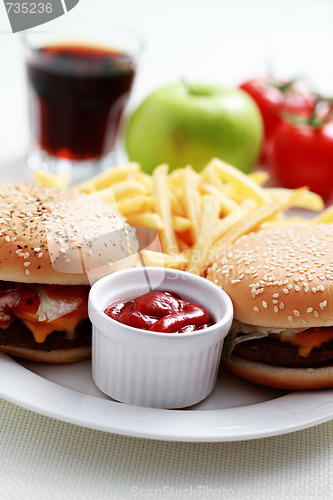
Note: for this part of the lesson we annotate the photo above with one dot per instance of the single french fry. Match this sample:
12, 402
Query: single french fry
163, 208
176, 176
325, 217
106, 195
234, 218
227, 204
127, 188
177, 206
292, 221
210, 214
146, 219
48, 179
145, 179
108, 177
120, 190
135, 204
253, 220
304, 199
181, 224
259, 176
160, 259
243, 183
192, 201
210, 176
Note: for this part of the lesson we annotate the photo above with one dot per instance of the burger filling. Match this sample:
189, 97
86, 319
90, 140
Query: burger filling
43, 309
312, 347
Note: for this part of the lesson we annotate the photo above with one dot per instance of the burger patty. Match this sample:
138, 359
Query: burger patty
18, 335
276, 353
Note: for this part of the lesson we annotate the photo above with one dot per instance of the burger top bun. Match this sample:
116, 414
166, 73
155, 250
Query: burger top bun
280, 278
55, 236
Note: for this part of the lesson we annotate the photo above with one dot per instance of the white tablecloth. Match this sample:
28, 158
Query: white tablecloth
42, 458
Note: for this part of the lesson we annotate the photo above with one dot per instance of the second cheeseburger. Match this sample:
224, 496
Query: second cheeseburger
281, 284
53, 244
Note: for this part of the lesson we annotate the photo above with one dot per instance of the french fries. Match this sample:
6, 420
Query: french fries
196, 214
163, 208
210, 216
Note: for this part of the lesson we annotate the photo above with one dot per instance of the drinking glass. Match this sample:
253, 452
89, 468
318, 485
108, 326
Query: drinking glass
79, 82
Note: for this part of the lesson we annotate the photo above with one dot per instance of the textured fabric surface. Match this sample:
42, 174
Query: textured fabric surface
42, 458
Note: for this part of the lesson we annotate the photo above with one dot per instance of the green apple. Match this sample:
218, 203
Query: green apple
188, 124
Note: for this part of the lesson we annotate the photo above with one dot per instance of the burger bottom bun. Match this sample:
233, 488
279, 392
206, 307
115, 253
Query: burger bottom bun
58, 347
281, 377
70, 355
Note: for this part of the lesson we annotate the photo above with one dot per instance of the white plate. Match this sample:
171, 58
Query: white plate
235, 411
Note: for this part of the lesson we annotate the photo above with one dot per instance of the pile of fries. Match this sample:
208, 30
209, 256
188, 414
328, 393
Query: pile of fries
197, 214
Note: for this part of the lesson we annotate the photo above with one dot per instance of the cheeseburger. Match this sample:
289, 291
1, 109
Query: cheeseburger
281, 285
53, 244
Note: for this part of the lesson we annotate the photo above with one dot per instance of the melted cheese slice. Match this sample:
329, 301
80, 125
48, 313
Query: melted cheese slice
309, 339
41, 329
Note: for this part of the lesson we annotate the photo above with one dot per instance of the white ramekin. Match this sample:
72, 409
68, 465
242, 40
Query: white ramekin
154, 369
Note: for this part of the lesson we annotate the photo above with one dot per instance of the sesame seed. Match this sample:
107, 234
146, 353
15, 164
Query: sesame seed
281, 305
40, 255
256, 309
27, 272
309, 310
291, 319
7, 238
316, 313
276, 295
275, 301
297, 313
26, 264
276, 309
322, 305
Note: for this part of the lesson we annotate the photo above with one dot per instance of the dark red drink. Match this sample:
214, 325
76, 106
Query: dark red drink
79, 95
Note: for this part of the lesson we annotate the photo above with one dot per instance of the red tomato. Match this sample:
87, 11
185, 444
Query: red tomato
29, 300
302, 155
274, 99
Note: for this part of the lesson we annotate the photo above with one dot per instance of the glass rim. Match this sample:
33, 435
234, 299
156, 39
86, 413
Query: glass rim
86, 38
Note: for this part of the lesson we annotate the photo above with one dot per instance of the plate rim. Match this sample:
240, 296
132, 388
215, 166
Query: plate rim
53, 400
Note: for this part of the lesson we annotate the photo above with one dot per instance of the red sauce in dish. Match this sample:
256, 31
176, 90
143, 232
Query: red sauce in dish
160, 312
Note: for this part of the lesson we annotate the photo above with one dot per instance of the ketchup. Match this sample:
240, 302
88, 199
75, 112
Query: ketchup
160, 312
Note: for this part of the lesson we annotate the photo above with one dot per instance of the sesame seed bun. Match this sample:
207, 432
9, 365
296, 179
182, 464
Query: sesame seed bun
55, 236
281, 283
50, 236
280, 278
